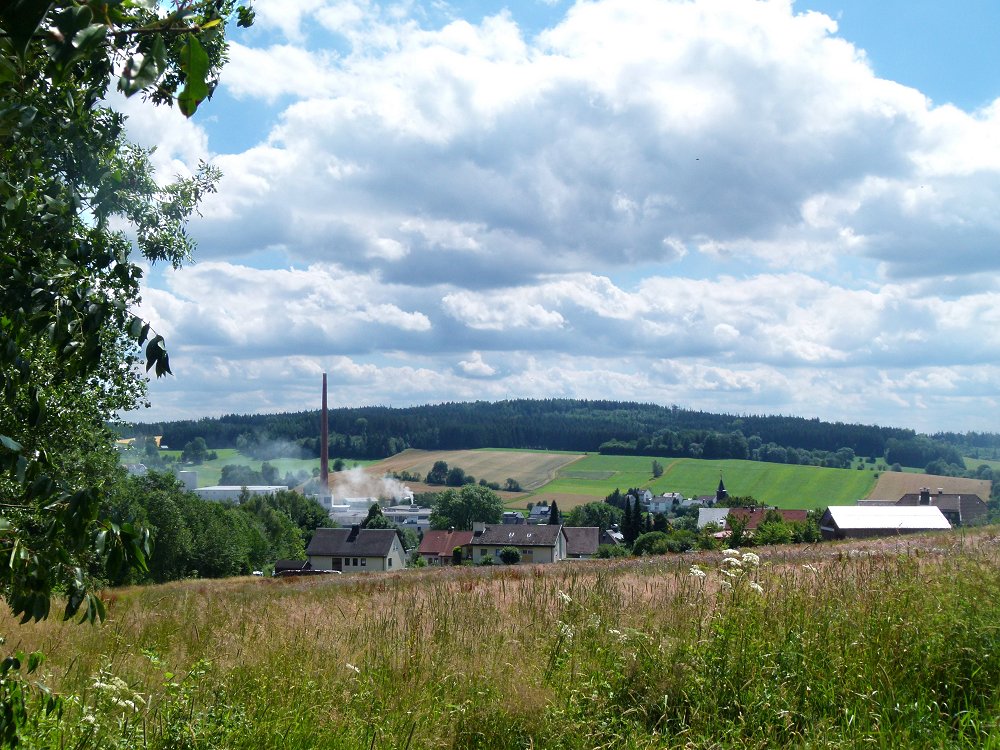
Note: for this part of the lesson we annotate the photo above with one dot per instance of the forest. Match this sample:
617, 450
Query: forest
375, 432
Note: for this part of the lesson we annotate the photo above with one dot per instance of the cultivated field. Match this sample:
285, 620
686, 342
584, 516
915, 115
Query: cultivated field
892, 485
531, 468
890, 644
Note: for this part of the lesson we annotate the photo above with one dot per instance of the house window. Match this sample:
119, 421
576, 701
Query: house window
364, 561
390, 562
354, 561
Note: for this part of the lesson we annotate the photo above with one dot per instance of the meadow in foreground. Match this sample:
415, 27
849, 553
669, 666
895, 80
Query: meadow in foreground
887, 644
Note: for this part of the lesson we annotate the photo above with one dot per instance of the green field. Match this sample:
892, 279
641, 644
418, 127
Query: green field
210, 471
783, 485
975, 463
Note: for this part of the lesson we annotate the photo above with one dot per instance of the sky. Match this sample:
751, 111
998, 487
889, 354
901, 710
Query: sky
739, 206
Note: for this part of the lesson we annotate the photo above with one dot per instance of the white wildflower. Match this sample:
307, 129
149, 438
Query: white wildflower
88, 719
734, 562
812, 568
751, 559
727, 585
123, 703
564, 597
565, 630
729, 573
697, 572
352, 667
757, 587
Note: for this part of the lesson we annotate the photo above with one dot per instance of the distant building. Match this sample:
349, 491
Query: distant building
513, 518
581, 542
860, 521
537, 544
438, 547
409, 517
961, 510
665, 503
189, 479
356, 550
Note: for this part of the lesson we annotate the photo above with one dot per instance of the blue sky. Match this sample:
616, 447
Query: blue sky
739, 206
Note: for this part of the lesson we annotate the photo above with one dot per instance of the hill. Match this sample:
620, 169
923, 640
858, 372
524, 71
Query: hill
573, 479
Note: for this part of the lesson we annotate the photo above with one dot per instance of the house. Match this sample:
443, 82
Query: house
755, 516
514, 518
581, 542
438, 547
356, 550
537, 544
715, 516
666, 502
612, 536
859, 521
960, 510
539, 514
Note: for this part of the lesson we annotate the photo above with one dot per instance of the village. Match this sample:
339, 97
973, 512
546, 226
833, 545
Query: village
541, 537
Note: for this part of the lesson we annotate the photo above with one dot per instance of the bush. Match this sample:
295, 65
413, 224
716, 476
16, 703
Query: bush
606, 551
651, 543
510, 555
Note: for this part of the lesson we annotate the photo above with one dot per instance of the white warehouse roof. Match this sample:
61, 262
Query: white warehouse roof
902, 517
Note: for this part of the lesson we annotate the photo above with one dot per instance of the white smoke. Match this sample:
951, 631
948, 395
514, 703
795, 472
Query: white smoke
356, 482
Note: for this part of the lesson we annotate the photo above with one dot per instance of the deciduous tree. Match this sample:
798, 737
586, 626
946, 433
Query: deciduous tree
73, 192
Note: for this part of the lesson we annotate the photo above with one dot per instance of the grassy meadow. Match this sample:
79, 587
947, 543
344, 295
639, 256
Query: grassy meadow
783, 485
886, 644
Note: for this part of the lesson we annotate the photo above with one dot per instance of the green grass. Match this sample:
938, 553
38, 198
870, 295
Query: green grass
975, 463
783, 485
886, 645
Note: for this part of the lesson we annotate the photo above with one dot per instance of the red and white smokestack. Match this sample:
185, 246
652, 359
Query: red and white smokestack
324, 445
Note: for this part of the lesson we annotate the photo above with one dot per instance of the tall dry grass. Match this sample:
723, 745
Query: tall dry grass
888, 645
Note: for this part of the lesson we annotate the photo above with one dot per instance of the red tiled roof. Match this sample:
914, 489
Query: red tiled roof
443, 543
757, 515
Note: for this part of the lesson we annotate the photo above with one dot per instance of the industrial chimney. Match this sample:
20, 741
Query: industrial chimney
324, 448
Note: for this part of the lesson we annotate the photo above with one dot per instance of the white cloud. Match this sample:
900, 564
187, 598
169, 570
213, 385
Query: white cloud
715, 203
476, 367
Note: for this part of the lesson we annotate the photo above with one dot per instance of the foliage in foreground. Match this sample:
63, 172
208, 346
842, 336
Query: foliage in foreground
894, 645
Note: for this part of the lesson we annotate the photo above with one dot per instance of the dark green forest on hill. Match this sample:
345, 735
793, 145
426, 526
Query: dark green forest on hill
574, 425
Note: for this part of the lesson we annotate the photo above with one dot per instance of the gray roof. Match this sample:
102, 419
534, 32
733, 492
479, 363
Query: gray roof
518, 536
904, 518
968, 506
712, 515
582, 540
347, 543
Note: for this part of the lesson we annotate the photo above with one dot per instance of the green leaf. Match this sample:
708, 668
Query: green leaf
194, 63
89, 37
140, 71
35, 659
10, 444
21, 19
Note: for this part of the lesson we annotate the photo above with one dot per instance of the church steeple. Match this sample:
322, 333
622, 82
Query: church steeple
721, 493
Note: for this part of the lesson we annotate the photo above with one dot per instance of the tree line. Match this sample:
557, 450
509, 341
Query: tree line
192, 537
550, 424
